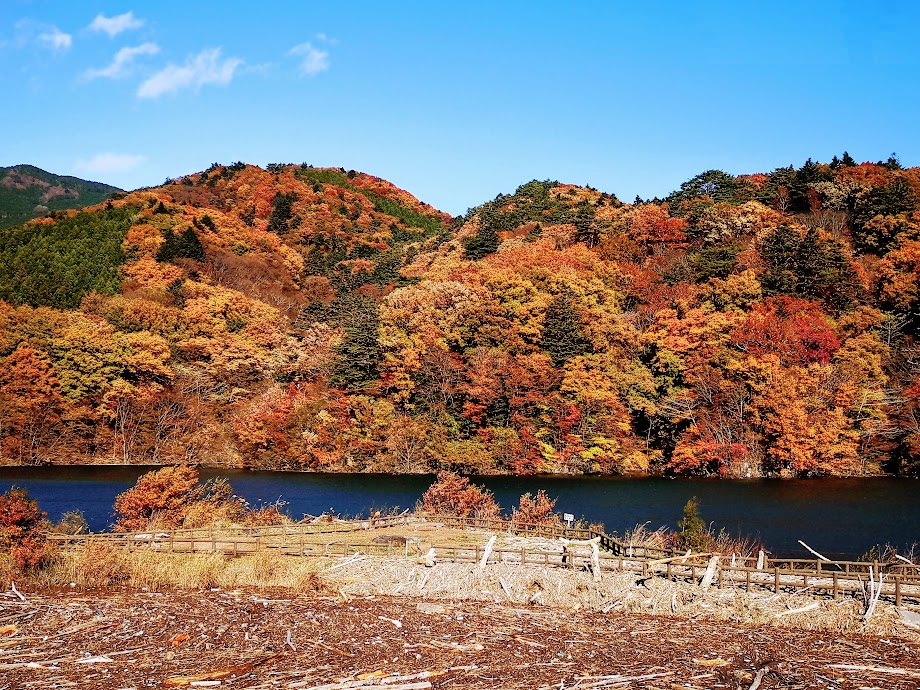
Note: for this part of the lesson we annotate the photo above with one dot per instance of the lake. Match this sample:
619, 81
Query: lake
838, 517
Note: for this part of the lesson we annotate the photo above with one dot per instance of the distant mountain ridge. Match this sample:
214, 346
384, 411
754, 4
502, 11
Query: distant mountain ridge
27, 192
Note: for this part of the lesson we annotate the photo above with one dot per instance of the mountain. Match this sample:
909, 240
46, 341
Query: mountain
321, 319
27, 192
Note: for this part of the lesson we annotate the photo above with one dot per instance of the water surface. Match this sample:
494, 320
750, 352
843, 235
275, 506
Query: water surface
839, 517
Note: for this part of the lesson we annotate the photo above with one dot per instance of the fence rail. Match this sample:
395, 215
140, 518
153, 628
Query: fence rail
899, 580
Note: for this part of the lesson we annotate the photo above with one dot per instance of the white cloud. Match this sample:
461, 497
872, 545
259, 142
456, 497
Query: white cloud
206, 67
314, 60
122, 61
109, 163
115, 25
56, 39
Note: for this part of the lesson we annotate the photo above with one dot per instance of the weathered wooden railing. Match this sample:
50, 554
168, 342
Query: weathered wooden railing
899, 580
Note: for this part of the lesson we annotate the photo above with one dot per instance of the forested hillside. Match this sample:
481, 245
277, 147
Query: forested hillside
317, 319
27, 192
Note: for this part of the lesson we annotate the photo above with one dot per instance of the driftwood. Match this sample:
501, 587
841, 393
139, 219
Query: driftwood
875, 591
801, 609
679, 559
710, 572
595, 553
488, 552
818, 555
237, 670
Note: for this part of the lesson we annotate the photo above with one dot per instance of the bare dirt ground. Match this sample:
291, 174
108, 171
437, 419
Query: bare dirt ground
119, 638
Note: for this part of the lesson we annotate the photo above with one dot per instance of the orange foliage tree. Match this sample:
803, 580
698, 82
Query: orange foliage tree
172, 496
535, 510
452, 494
22, 528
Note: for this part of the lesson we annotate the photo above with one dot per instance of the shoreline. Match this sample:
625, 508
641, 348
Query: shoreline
635, 476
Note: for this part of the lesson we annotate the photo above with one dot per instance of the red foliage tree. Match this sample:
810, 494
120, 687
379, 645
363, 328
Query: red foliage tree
22, 528
452, 494
163, 493
795, 329
535, 510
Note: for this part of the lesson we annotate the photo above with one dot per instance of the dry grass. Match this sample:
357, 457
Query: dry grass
105, 565
617, 591
717, 542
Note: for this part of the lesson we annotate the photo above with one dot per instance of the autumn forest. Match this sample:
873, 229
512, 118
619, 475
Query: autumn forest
301, 318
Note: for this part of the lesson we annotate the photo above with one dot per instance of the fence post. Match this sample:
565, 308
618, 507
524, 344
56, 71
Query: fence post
523, 555
897, 590
747, 578
835, 585
776, 580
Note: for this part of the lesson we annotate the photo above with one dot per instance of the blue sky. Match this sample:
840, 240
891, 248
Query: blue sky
457, 102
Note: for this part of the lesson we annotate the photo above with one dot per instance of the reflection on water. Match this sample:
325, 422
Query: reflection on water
835, 516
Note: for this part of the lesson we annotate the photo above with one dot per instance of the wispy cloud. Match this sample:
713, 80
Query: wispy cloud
103, 163
207, 67
117, 24
29, 31
55, 39
314, 60
122, 61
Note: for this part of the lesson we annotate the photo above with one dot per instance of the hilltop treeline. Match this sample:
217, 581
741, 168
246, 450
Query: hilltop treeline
321, 319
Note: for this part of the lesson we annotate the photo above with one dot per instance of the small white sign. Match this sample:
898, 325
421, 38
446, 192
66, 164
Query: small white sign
568, 517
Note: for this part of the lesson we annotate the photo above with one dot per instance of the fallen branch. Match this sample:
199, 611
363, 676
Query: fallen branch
485, 557
341, 564
757, 679
16, 591
877, 669
823, 558
238, 670
801, 609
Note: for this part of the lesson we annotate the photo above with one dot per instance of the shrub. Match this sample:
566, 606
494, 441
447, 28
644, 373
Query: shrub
536, 510
452, 494
22, 528
72, 522
163, 493
693, 533
172, 497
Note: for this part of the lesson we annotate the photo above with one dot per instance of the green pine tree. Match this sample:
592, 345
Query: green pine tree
483, 242
359, 352
563, 337
693, 533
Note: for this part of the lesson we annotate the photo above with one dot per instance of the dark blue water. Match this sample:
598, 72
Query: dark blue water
839, 517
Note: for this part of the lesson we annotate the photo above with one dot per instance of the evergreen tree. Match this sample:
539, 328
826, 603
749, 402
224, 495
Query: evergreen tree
847, 161
779, 250
563, 337
714, 262
483, 242
693, 533
809, 267
890, 200
189, 246
359, 351
282, 212
184, 246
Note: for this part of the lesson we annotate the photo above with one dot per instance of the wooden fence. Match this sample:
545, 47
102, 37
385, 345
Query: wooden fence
900, 580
